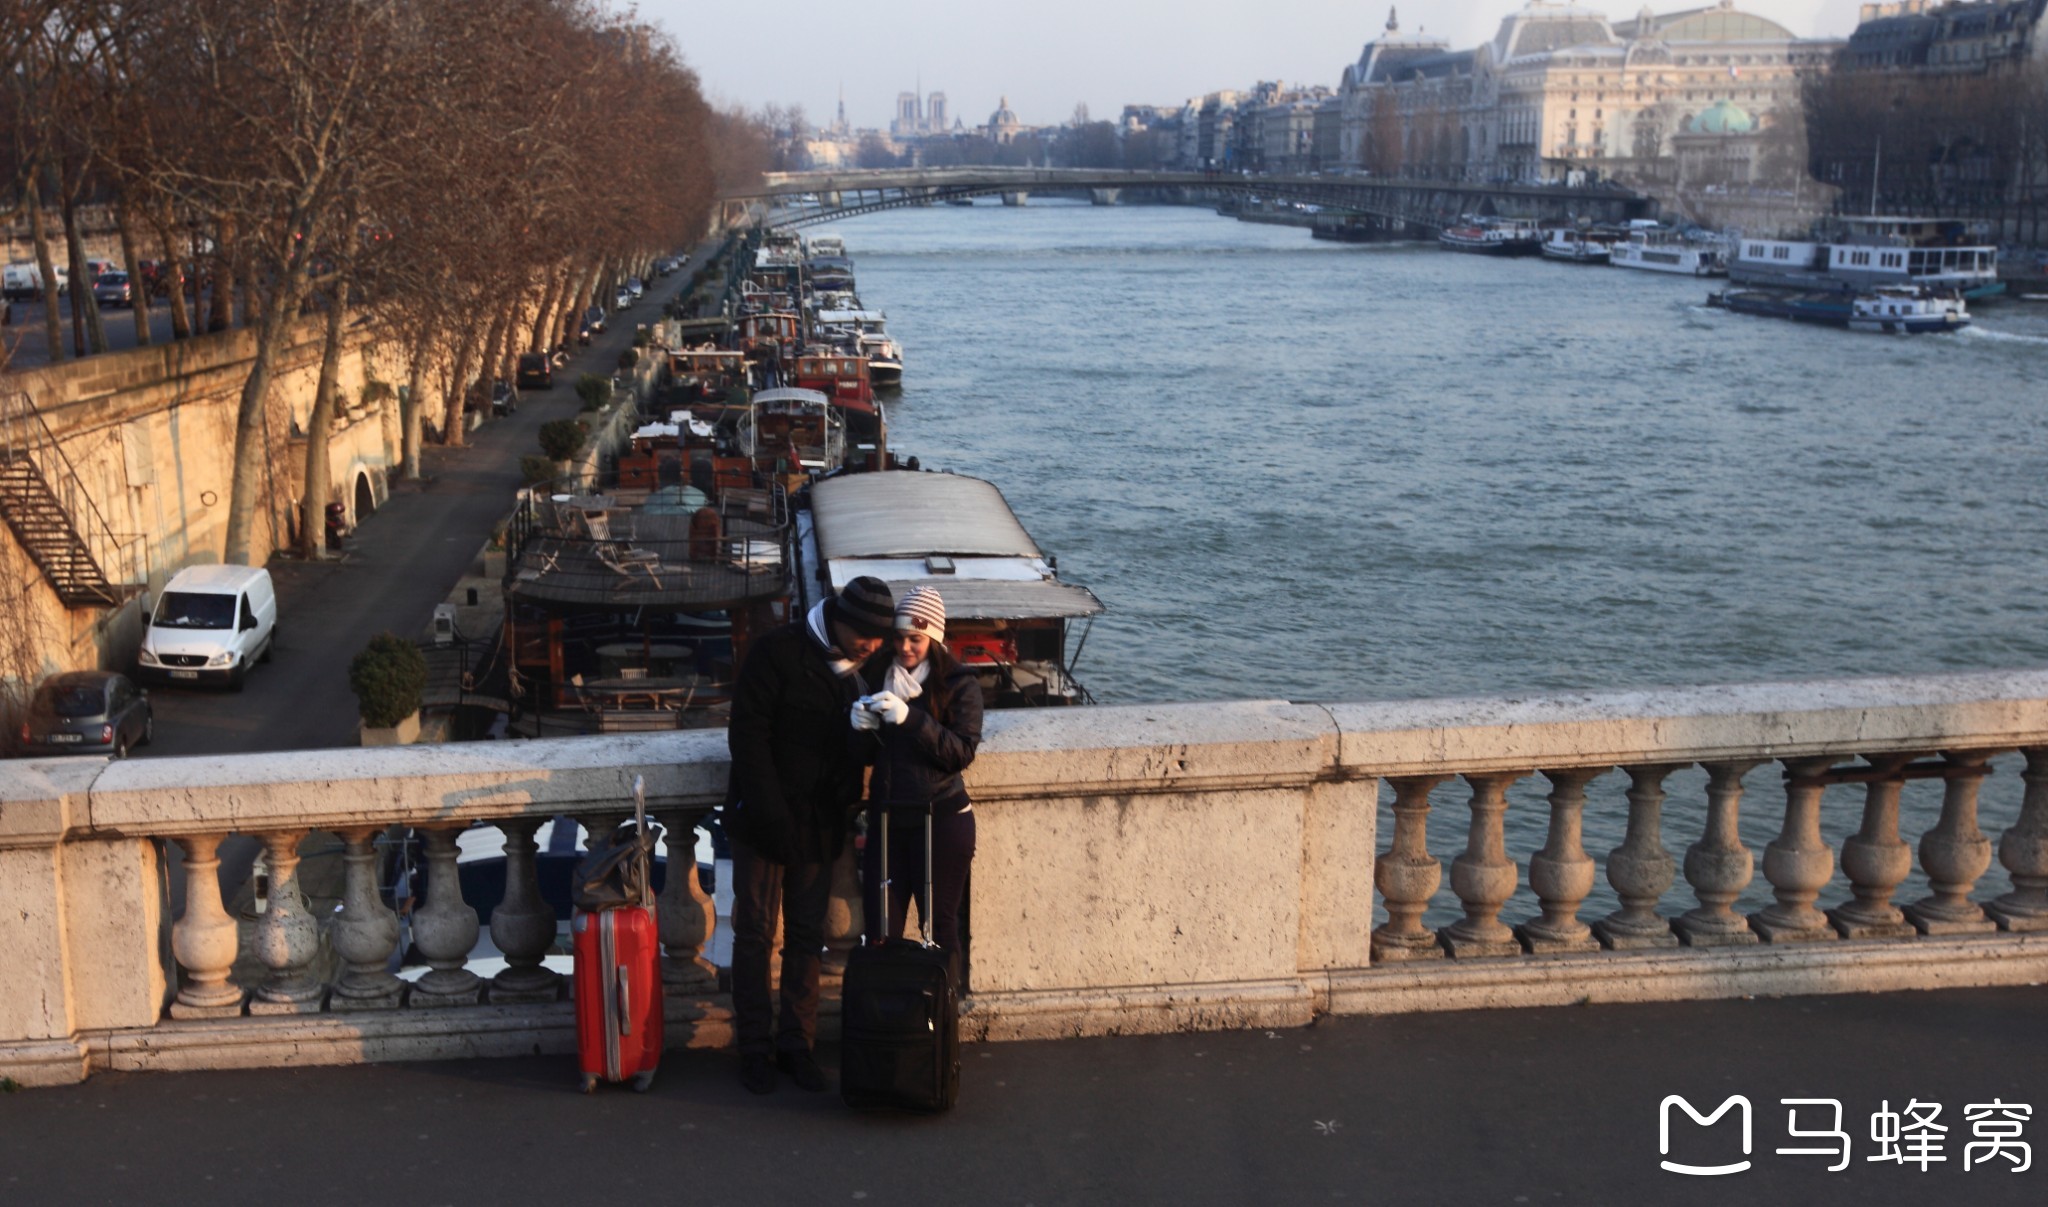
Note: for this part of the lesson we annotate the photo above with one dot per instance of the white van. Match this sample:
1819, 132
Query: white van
24, 280
211, 623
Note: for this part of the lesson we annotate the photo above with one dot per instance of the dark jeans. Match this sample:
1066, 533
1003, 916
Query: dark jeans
952, 852
760, 889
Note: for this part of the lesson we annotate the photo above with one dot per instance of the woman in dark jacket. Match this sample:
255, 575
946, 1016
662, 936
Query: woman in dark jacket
920, 732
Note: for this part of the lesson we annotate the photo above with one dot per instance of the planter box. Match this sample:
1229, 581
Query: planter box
405, 733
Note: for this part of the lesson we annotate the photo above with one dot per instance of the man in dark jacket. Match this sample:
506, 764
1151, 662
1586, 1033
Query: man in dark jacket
788, 810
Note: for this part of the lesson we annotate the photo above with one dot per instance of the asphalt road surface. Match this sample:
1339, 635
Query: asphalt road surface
1554, 1106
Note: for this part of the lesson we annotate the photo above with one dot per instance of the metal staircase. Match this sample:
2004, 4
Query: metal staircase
54, 518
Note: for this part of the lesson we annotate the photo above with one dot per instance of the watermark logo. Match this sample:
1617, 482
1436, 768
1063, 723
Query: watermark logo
1913, 1135
1701, 1171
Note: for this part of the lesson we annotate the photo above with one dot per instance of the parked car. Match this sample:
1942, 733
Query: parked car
622, 299
211, 625
593, 323
95, 269
536, 372
636, 287
24, 281
113, 289
503, 400
87, 712
157, 277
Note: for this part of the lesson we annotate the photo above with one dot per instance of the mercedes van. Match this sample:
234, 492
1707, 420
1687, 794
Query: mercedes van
210, 624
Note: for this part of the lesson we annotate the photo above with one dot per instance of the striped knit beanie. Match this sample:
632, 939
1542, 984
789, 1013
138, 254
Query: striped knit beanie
864, 604
921, 610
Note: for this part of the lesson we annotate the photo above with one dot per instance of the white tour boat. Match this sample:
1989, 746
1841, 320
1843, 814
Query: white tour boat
1654, 248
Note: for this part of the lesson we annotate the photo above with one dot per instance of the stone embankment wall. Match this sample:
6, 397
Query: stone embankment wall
1139, 868
151, 433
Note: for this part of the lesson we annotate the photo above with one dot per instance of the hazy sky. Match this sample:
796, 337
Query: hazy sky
1048, 55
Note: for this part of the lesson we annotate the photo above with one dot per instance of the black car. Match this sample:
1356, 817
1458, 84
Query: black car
87, 712
535, 373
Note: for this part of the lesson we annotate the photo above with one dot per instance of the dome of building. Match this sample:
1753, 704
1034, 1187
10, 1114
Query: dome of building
1723, 117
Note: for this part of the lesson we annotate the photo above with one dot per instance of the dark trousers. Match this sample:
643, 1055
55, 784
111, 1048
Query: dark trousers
952, 852
800, 892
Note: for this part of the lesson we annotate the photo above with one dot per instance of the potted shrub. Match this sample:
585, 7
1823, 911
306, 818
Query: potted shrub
562, 439
388, 677
595, 390
629, 358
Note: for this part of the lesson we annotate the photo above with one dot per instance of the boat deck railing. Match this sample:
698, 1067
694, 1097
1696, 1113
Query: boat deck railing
575, 546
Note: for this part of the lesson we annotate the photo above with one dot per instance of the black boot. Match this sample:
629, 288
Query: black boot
757, 1073
802, 1068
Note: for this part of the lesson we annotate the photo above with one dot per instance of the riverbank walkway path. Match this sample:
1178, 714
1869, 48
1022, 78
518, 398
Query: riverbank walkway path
1508, 1106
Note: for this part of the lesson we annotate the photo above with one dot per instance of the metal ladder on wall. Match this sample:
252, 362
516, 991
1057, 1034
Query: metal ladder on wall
52, 515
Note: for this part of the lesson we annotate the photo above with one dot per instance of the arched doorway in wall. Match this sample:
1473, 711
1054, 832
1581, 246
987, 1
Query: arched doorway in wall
366, 498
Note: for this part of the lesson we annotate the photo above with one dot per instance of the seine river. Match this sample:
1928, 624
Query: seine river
1325, 472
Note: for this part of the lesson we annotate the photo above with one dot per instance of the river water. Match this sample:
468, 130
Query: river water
1326, 472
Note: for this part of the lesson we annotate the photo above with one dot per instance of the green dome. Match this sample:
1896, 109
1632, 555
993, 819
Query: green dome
1724, 117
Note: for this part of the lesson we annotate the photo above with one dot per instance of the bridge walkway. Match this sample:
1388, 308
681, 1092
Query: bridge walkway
1512, 1106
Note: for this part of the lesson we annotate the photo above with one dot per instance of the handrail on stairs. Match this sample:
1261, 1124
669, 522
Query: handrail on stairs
24, 430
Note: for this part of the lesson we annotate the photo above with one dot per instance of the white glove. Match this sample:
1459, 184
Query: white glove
890, 707
863, 718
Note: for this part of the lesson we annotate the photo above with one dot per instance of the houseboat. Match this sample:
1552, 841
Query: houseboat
1652, 248
626, 608
843, 378
1573, 245
1007, 612
1492, 237
1864, 253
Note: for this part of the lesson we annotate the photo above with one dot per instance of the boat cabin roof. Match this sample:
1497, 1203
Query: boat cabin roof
791, 394
947, 531
903, 513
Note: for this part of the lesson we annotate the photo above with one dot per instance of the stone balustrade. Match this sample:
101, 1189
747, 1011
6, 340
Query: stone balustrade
1140, 868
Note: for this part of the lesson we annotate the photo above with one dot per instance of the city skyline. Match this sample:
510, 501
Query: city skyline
1146, 53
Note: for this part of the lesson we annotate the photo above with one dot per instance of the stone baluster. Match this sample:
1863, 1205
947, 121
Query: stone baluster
1484, 877
843, 913
445, 929
1797, 862
1718, 866
523, 924
1562, 873
1407, 876
1954, 853
1875, 859
685, 911
365, 931
287, 936
1640, 869
2024, 852
206, 939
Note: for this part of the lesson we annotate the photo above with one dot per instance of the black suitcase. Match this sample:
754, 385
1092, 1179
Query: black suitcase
899, 1040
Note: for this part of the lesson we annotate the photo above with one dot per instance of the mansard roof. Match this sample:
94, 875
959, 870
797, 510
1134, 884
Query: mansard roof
1394, 63
1721, 22
1544, 26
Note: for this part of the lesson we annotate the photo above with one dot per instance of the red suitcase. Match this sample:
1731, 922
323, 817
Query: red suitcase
618, 987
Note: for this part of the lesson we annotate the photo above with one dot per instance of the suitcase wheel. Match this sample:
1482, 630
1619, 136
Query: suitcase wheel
589, 1083
642, 1082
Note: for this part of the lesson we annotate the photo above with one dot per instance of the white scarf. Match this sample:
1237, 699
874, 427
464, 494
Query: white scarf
907, 685
842, 667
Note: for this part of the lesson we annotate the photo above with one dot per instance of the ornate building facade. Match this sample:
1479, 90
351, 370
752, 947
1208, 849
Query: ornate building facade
1561, 92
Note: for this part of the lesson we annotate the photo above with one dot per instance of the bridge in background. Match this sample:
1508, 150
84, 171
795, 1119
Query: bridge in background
793, 199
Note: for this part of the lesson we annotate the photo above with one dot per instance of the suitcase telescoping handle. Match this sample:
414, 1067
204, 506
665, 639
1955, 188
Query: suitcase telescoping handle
646, 856
924, 909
